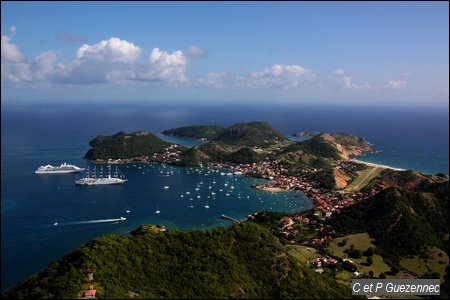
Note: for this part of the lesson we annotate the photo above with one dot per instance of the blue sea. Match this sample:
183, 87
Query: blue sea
33, 135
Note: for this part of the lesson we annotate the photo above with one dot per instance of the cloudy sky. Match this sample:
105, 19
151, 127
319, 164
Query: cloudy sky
293, 52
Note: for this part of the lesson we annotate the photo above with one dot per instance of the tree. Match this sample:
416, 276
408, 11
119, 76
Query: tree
369, 252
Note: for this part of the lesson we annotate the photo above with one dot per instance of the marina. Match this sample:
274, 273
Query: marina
28, 214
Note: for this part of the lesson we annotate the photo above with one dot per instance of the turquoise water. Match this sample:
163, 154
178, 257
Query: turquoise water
33, 136
32, 203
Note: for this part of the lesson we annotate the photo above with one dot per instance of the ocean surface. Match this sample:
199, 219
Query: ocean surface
408, 138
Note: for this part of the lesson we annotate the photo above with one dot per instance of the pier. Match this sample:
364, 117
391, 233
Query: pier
231, 219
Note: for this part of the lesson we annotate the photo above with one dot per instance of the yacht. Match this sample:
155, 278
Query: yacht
63, 168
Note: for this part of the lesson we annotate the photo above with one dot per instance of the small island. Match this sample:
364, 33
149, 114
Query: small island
306, 134
368, 221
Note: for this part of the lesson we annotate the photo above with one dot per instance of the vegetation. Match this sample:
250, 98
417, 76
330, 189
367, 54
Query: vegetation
208, 132
319, 147
403, 225
124, 146
402, 221
239, 261
234, 145
255, 134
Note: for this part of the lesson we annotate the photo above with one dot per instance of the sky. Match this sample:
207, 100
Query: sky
381, 53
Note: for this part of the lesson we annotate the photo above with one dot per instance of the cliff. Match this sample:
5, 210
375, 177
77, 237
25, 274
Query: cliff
348, 145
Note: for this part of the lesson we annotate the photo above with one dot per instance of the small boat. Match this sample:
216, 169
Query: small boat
166, 187
128, 209
122, 218
157, 210
206, 205
56, 222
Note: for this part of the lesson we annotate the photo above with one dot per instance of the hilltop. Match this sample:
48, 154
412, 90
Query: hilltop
239, 261
123, 146
238, 144
204, 132
242, 143
403, 216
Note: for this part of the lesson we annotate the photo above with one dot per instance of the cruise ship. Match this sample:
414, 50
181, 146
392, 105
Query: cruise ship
63, 168
93, 179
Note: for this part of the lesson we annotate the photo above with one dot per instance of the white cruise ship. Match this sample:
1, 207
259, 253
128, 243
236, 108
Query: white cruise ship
94, 179
63, 168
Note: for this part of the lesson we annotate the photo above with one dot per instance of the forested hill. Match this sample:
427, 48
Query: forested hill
259, 134
205, 132
237, 144
239, 261
123, 146
404, 220
254, 134
240, 143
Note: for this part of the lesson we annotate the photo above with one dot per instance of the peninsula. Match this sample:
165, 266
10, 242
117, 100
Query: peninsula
368, 221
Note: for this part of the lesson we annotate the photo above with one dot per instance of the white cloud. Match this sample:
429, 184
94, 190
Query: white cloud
396, 85
15, 68
349, 85
10, 52
108, 61
196, 52
338, 72
164, 67
278, 76
213, 79
112, 50
43, 65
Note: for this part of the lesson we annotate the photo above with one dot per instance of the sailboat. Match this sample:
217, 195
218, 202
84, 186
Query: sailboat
157, 210
117, 178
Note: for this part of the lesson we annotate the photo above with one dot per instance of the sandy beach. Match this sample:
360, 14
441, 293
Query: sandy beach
375, 165
270, 189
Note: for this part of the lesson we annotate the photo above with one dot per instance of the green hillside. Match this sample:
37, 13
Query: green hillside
235, 145
254, 134
403, 221
122, 146
206, 132
240, 261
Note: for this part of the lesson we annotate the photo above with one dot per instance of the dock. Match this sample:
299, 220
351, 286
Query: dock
230, 218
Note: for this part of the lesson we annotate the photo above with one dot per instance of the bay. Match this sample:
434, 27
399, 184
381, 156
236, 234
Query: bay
35, 135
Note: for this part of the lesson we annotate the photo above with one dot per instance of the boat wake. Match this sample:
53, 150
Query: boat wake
90, 221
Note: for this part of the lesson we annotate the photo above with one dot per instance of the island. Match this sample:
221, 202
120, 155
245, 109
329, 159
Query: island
306, 134
368, 221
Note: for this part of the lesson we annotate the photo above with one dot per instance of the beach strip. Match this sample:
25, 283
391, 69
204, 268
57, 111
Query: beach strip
375, 165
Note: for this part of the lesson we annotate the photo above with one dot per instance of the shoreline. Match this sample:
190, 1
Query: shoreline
375, 165
270, 189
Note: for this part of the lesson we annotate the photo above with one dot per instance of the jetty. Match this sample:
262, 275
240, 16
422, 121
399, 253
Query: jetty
231, 219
